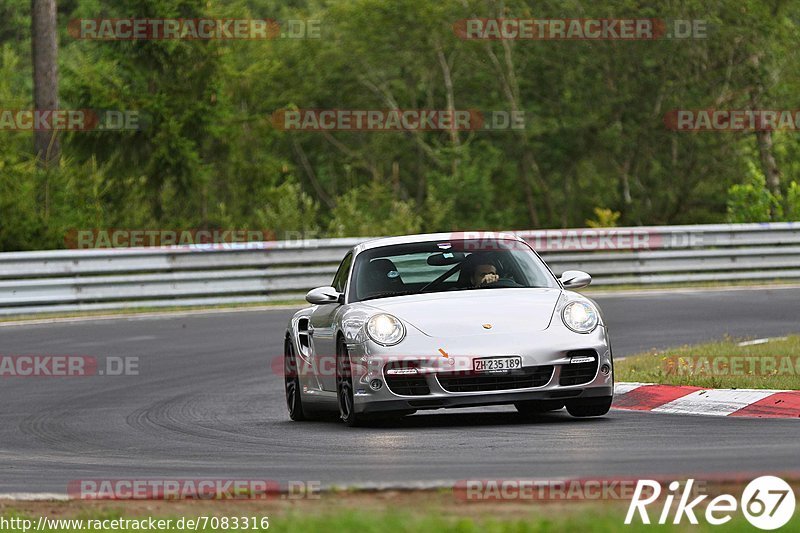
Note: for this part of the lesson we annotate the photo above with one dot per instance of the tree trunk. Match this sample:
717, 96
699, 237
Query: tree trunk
44, 45
768, 165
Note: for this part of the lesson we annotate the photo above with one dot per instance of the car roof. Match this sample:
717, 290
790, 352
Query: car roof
442, 237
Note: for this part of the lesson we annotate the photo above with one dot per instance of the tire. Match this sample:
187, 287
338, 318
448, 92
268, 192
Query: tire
294, 397
586, 407
344, 388
536, 407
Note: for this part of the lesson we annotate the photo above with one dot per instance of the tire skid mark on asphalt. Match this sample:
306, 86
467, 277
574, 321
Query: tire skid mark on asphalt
198, 415
51, 428
70, 423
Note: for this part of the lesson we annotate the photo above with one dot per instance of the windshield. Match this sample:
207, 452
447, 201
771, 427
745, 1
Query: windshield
429, 267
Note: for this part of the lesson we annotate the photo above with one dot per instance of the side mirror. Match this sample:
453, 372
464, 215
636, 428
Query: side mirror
322, 296
575, 279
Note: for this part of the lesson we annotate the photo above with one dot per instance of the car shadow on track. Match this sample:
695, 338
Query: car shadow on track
432, 419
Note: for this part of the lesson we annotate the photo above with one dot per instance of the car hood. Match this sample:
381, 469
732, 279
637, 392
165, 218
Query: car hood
463, 313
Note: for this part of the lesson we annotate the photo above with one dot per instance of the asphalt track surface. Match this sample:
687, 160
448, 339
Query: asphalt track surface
206, 405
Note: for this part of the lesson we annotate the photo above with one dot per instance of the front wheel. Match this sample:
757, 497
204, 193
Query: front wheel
584, 407
294, 399
344, 388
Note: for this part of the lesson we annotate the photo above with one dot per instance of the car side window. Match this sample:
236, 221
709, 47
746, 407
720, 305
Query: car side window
340, 279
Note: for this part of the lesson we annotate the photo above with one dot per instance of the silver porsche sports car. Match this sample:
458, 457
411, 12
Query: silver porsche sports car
447, 320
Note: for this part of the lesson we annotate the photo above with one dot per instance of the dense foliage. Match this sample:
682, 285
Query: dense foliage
594, 150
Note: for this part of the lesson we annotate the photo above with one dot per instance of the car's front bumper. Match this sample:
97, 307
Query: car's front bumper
546, 348
452, 400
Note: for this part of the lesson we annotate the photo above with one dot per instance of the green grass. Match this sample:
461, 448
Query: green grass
695, 365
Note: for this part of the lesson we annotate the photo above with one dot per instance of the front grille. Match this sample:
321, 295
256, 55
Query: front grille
405, 384
578, 373
532, 376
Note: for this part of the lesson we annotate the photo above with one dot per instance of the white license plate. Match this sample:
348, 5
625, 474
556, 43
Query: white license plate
496, 364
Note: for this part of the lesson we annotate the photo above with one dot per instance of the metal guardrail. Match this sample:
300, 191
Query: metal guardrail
75, 280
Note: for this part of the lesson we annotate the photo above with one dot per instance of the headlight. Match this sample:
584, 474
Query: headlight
580, 317
385, 329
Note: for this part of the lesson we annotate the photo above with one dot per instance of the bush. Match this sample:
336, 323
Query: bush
606, 218
752, 201
791, 210
289, 212
372, 210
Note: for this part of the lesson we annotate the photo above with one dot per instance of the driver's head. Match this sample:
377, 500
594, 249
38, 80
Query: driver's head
480, 272
479, 266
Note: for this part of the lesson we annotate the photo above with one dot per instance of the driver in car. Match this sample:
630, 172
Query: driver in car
480, 269
484, 274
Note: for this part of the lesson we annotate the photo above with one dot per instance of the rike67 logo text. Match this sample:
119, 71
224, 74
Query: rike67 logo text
767, 502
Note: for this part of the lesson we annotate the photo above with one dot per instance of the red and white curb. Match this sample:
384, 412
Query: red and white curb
685, 400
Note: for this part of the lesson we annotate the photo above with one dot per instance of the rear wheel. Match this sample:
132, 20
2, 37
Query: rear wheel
584, 407
294, 399
536, 407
